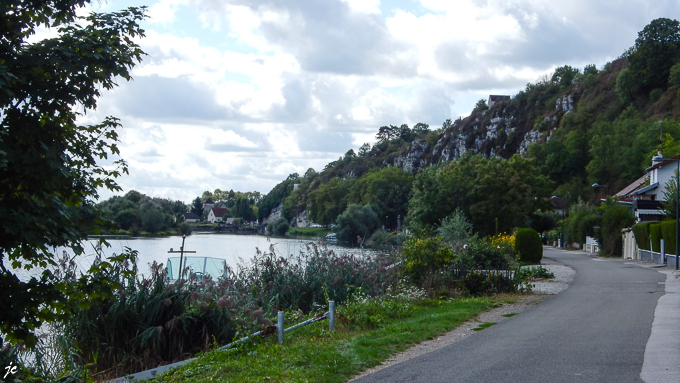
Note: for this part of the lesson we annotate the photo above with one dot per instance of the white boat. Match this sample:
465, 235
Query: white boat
198, 266
331, 237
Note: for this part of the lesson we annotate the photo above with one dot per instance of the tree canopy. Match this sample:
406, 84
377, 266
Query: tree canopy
49, 171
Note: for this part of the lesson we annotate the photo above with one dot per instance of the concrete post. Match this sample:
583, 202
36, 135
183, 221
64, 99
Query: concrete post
331, 315
280, 327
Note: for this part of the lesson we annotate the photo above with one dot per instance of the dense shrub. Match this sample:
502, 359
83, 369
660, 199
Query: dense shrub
614, 216
278, 227
668, 235
425, 258
478, 283
385, 239
528, 245
655, 234
481, 254
641, 231
356, 224
580, 222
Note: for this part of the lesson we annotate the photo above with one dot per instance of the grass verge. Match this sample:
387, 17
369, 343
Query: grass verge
315, 354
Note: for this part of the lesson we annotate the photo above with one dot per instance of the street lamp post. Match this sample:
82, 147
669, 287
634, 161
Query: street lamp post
596, 185
677, 203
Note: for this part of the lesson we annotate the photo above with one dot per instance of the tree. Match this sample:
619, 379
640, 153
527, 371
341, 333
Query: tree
242, 209
388, 190
278, 227
421, 128
328, 201
614, 216
498, 195
455, 227
656, 50
49, 174
356, 224
152, 217
197, 207
670, 196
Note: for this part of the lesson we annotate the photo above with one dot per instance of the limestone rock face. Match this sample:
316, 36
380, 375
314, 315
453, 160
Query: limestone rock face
529, 138
565, 103
413, 159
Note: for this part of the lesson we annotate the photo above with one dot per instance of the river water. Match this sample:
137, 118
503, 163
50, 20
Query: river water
230, 247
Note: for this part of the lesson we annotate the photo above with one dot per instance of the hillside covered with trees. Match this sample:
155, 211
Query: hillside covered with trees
502, 163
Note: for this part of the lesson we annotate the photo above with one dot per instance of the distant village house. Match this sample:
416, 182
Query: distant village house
496, 98
217, 214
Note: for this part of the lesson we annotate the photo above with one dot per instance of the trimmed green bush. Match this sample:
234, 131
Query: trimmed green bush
655, 233
528, 245
641, 231
668, 235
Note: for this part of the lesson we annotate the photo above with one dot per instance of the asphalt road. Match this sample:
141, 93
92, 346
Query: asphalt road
595, 331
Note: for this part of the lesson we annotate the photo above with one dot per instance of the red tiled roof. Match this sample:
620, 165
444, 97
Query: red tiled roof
220, 211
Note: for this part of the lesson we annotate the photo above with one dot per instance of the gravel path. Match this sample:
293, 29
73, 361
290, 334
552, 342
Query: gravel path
542, 289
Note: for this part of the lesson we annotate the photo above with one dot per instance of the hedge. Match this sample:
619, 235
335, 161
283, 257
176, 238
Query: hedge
655, 233
668, 235
641, 231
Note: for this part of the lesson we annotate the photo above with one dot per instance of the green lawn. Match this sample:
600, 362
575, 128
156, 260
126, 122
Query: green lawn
315, 354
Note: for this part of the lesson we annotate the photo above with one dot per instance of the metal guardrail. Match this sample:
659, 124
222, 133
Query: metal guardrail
279, 328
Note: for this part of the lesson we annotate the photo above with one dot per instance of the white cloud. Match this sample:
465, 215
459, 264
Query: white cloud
164, 11
265, 89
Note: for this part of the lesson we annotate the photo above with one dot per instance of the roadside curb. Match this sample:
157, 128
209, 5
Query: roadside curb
662, 353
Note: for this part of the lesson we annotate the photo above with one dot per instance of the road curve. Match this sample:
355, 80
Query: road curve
595, 331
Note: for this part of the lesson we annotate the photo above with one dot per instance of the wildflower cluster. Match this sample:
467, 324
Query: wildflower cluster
504, 242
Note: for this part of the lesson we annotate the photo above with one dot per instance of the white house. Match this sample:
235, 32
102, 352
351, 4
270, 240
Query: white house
646, 193
217, 214
191, 218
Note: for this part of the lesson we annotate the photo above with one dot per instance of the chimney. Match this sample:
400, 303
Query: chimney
658, 154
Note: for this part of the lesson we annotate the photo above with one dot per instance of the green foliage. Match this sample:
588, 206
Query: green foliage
642, 235
580, 222
668, 235
655, 235
366, 312
356, 224
543, 221
425, 257
656, 50
184, 228
674, 75
243, 209
388, 190
670, 196
148, 322
197, 207
49, 175
528, 245
381, 239
278, 227
478, 253
488, 190
625, 85
455, 227
275, 197
528, 273
328, 201
614, 216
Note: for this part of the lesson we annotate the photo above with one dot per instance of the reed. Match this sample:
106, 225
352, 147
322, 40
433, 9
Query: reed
150, 322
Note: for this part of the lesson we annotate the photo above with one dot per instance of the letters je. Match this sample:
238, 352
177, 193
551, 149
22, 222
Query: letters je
10, 370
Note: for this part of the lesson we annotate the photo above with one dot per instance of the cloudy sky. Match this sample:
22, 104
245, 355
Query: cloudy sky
239, 94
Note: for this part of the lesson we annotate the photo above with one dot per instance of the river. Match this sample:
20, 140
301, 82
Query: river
230, 247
